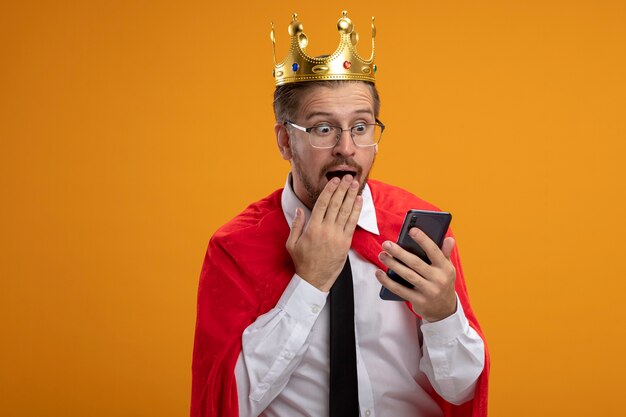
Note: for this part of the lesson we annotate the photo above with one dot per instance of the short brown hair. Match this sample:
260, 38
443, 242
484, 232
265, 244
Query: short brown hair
287, 96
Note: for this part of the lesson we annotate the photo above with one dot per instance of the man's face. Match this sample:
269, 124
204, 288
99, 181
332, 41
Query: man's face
312, 168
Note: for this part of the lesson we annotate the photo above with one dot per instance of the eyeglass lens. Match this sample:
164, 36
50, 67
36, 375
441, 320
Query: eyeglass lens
328, 136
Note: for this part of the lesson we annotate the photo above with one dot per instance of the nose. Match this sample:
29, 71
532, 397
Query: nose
345, 145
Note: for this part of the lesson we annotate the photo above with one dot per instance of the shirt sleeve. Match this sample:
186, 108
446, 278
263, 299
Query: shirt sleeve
273, 346
453, 356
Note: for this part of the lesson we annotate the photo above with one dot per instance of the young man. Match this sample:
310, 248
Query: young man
270, 339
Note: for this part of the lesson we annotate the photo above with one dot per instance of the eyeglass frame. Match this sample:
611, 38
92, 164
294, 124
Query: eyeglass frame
341, 130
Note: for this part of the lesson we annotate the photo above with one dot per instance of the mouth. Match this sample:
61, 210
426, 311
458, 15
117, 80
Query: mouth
340, 173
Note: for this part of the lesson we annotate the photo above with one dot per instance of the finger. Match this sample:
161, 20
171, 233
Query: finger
296, 229
432, 250
347, 207
409, 259
321, 205
337, 198
354, 216
398, 289
447, 247
404, 271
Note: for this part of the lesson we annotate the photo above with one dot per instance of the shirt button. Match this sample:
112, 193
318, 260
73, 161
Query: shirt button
367, 413
287, 355
315, 309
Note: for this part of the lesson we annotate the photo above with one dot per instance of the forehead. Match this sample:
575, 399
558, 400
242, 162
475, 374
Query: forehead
342, 100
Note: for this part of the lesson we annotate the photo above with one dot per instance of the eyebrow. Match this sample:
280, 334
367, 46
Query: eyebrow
322, 113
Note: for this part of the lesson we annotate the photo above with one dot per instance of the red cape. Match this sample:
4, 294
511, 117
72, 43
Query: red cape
246, 270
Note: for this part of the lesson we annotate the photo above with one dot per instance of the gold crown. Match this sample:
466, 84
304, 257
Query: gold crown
343, 64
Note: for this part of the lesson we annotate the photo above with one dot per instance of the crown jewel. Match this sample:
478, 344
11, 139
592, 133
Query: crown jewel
343, 64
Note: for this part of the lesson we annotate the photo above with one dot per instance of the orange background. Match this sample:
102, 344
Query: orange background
130, 130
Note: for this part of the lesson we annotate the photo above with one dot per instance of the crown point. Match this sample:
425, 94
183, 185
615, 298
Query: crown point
344, 13
294, 28
344, 25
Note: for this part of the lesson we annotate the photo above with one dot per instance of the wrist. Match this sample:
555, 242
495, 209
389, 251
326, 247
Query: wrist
439, 314
314, 279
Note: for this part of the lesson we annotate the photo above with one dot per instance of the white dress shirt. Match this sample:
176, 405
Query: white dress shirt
283, 369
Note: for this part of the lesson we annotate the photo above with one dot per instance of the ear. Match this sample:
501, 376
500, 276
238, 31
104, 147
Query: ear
282, 140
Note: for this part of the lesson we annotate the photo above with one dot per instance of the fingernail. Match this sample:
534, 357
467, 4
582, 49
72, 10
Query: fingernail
354, 184
387, 245
335, 180
414, 231
347, 178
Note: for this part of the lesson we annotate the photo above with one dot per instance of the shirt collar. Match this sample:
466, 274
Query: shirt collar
367, 218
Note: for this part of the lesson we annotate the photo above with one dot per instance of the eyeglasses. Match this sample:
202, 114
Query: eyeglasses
325, 136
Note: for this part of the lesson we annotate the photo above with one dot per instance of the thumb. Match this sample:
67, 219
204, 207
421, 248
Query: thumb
296, 228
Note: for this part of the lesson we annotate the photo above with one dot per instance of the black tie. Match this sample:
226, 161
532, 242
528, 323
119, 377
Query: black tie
344, 395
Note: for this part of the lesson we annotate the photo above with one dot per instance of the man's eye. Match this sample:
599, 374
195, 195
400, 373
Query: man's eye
322, 130
360, 128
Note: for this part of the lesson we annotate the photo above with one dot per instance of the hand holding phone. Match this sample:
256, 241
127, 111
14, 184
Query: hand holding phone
434, 224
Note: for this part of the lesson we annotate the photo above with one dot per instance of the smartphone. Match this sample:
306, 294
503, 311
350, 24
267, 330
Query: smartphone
435, 224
